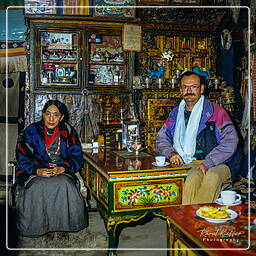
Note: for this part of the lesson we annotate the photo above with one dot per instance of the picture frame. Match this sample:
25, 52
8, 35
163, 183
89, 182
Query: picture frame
94, 38
154, 2
100, 9
185, 2
60, 41
132, 38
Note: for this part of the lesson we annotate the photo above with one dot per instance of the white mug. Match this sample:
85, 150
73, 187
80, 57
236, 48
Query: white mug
229, 197
160, 160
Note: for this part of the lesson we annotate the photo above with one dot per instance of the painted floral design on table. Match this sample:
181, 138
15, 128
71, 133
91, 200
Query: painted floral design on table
148, 194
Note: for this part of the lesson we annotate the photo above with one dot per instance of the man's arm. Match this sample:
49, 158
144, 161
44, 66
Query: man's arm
227, 147
163, 145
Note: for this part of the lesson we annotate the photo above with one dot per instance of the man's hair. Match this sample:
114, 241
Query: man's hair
60, 106
190, 73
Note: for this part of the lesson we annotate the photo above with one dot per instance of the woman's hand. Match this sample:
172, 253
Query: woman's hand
176, 159
56, 169
53, 170
45, 172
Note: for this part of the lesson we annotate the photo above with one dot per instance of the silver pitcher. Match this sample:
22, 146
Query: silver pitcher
160, 81
147, 81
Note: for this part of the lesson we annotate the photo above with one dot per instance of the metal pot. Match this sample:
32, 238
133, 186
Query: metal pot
177, 72
174, 81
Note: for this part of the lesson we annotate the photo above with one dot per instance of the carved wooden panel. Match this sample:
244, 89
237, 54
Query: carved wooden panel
157, 106
187, 51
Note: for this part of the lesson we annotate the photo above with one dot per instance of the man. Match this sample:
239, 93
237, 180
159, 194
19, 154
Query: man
200, 134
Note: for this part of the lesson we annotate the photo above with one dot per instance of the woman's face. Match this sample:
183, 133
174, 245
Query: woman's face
52, 117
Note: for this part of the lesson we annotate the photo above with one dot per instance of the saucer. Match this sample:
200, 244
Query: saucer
165, 164
219, 201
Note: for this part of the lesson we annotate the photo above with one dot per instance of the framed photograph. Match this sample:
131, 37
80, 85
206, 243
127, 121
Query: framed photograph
95, 39
132, 38
185, 2
59, 41
115, 11
75, 7
154, 2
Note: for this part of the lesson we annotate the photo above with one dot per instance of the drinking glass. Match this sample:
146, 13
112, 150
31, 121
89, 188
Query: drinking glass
136, 144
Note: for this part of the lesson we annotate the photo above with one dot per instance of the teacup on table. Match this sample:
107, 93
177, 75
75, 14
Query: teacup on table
160, 160
229, 197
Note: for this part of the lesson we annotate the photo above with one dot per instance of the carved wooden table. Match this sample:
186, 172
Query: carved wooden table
186, 230
129, 189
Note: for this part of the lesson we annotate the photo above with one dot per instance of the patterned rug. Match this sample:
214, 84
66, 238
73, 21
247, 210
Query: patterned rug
247, 189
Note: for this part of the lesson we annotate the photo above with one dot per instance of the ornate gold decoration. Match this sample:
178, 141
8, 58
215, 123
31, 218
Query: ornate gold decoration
183, 16
176, 53
112, 222
156, 106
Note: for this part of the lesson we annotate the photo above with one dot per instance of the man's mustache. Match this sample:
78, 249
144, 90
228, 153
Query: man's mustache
189, 94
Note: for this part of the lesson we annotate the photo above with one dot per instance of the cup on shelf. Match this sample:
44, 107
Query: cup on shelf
160, 160
229, 197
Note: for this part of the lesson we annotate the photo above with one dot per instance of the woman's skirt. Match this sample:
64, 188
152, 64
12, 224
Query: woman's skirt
52, 204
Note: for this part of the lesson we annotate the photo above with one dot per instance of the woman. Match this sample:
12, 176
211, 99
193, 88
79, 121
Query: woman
50, 153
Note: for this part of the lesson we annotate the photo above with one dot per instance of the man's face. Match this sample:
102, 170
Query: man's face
190, 89
52, 117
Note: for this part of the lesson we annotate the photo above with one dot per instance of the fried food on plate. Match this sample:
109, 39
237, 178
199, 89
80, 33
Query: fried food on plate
214, 212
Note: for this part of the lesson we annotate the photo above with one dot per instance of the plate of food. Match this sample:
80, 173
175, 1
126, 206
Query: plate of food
216, 214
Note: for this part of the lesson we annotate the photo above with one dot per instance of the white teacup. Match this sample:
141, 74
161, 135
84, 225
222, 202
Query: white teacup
229, 197
160, 160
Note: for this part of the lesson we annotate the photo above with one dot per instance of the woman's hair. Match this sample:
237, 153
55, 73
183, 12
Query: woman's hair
61, 107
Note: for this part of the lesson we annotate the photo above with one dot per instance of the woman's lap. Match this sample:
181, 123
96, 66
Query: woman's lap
50, 204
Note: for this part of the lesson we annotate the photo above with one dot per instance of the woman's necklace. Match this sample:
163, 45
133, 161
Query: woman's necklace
56, 151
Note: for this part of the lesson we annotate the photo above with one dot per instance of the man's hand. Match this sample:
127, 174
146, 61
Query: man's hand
202, 168
176, 159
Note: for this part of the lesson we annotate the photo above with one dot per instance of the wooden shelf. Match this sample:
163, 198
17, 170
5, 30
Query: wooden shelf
105, 63
60, 61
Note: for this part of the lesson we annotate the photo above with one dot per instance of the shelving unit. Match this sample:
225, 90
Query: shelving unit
106, 61
59, 59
